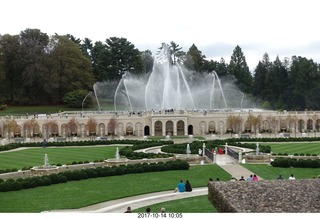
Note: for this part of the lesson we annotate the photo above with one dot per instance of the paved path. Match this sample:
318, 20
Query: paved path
118, 206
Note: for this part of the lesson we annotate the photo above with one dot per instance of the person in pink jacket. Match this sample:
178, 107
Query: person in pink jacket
255, 178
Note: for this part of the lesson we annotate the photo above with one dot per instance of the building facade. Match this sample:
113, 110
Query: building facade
160, 123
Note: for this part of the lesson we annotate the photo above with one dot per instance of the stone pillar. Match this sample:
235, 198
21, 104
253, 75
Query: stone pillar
240, 157
226, 148
185, 128
174, 128
203, 149
214, 157
164, 129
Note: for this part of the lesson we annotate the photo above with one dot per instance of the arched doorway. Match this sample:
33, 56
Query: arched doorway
147, 130
169, 128
190, 130
212, 127
138, 129
158, 128
180, 128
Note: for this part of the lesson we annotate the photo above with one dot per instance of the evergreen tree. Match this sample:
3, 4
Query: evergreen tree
239, 68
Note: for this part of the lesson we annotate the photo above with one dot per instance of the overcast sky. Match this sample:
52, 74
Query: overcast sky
278, 27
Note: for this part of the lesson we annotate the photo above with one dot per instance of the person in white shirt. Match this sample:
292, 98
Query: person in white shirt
292, 177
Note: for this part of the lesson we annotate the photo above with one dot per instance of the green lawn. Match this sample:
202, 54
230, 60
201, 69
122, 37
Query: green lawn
199, 204
295, 147
35, 156
269, 172
77, 194
22, 110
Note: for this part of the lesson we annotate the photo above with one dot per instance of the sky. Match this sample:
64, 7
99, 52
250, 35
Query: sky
278, 27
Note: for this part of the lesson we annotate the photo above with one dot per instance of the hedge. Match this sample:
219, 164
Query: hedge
63, 177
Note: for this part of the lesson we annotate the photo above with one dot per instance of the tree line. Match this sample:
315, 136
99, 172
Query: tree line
37, 69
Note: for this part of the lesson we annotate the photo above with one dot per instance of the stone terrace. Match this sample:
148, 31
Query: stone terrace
266, 196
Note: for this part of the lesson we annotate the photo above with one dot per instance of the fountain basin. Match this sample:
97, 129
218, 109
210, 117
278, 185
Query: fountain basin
116, 161
44, 170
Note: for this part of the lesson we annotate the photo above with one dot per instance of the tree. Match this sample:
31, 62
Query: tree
100, 61
304, 83
147, 61
92, 127
34, 75
74, 99
12, 66
112, 126
261, 72
194, 59
72, 127
239, 68
174, 50
124, 57
69, 70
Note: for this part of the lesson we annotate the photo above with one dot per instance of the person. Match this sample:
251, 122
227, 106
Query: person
210, 180
250, 178
44, 143
148, 210
241, 179
181, 187
128, 210
163, 210
280, 177
188, 186
292, 177
255, 177
217, 179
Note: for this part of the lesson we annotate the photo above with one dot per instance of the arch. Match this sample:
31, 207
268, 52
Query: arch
158, 128
309, 124
221, 127
169, 127
283, 125
301, 125
202, 128
317, 125
212, 127
180, 127
129, 129
17, 131
83, 128
64, 130
265, 126
146, 130
138, 129
190, 129
247, 127
120, 129
102, 129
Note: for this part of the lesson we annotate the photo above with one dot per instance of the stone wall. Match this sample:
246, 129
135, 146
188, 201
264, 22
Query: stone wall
266, 196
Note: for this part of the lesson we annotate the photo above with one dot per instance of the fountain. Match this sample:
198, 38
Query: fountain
257, 149
117, 154
44, 169
169, 86
188, 151
117, 160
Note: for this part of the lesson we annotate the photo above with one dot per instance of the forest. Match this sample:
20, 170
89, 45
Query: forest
37, 69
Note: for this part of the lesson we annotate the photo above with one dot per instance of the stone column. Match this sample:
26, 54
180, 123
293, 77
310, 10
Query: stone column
174, 128
164, 129
240, 157
214, 157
